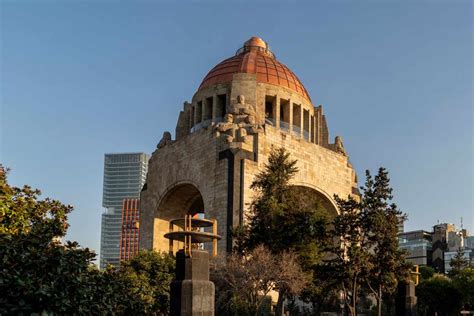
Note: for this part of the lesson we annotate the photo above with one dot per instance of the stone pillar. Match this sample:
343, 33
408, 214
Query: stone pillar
192, 293
195, 113
290, 129
277, 112
318, 125
301, 122
191, 117
406, 300
310, 118
214, 108
204, 109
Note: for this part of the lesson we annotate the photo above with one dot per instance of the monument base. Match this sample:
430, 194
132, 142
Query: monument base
406, 301
192, 293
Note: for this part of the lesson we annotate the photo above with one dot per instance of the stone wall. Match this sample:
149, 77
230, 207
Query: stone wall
191, 160
202, 163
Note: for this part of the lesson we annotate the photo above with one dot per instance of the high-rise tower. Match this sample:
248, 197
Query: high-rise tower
124, 177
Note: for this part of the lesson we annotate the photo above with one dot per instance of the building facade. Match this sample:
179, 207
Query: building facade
440, 244
468, 255
124, 177
437, 248
130, 228
418, 245
245, 106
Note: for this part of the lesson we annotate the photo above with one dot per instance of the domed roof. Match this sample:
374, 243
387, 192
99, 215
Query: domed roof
255, 58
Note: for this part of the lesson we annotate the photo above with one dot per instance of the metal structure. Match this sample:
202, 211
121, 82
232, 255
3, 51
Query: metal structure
415, 274
191, 234
191, 292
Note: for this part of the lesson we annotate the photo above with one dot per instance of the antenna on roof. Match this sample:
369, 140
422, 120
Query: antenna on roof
461, 224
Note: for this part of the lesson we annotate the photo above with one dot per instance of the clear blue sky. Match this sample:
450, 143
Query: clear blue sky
80, 79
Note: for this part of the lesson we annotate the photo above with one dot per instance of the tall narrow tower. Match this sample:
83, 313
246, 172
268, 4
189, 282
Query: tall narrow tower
124, 177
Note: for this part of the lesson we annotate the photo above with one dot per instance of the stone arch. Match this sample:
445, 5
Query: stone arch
326, 200
179, 199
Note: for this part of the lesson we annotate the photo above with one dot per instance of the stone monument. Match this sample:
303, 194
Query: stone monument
245, 106
192, 294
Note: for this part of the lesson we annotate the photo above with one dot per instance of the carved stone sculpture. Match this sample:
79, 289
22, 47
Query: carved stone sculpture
251, 125
242, 108
165, 140
239, 122
227, 128
339, 146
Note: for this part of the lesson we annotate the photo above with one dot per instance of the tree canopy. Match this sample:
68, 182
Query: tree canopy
368, 255
41, 274
284, 217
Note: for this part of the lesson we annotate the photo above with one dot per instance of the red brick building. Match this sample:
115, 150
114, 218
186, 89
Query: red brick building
130, 228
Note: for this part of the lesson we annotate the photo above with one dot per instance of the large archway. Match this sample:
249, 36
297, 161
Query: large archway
312, 195
179, 200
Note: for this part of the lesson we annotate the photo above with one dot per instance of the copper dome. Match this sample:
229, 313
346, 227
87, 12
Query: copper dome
255, 57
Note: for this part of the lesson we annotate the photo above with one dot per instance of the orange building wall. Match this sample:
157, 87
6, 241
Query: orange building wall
130, 228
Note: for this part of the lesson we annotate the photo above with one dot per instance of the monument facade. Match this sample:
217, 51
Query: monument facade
245, 105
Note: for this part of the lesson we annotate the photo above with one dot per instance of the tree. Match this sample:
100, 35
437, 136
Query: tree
246, 280
458, 263
426, 272
39, 274
349, 260
463, 281
381, 218
322, 291
438, 295
148, 277
284, 216
368, 254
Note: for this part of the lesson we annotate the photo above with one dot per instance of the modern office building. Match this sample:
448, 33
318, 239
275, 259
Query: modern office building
468, 254
437, 248
130, 228
418, 245
440, 238
469, 242
124, 177
401, 225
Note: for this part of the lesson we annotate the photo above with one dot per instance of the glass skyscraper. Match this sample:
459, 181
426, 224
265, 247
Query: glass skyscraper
124, 177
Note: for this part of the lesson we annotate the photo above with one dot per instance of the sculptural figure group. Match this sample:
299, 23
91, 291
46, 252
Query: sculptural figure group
239, 122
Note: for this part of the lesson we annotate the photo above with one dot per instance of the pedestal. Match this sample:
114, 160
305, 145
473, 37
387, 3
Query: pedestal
406, 300
192, 293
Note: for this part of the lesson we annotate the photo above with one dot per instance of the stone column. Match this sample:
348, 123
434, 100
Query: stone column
309, 126
318, 125
204, 110
301, 121
214, 108
290, 129
277, 112
406, 300
195, 113
192, 293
